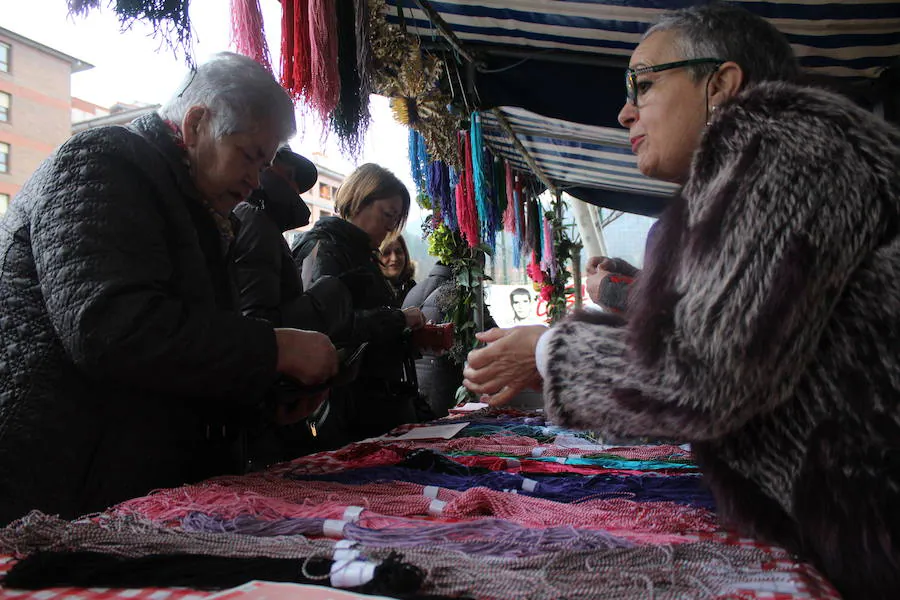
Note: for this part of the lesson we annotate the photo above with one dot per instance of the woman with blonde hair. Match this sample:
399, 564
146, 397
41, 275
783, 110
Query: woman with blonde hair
373, 206
397, 266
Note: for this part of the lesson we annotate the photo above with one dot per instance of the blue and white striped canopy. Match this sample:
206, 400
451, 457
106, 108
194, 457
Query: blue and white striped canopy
850, 40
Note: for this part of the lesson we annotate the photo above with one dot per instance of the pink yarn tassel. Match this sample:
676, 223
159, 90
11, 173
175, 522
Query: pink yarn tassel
466, 211
247, 33
509, 217
325, 84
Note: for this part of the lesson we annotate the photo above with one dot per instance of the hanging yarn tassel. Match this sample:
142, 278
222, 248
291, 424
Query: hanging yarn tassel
364, 58
493, 223
247, 31
475, 157
439, 191
519, 207
466, 211
350, 118
82, 7
449, 211
417, 165
300, 64
509, 214
548, 260
325, 79
95, 569
287, 46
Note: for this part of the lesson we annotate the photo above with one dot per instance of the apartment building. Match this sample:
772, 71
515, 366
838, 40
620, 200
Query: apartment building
35, 107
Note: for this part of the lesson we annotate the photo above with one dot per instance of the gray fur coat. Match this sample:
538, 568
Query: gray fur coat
766, 330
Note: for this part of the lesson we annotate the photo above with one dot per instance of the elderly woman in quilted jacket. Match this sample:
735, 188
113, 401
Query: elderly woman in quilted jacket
766, 328
124, 363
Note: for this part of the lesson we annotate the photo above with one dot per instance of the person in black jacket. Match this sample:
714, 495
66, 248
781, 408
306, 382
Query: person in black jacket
373, 205
439, 377
270, 288
269, 285
124, 363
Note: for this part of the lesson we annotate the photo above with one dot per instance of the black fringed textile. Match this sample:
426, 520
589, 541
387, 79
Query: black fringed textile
351, 117
201, 572
169, 18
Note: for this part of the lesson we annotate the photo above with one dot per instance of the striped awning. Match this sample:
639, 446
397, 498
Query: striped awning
842, 40
577, 155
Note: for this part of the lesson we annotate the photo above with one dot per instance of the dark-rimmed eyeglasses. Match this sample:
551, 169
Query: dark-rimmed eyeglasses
631, 83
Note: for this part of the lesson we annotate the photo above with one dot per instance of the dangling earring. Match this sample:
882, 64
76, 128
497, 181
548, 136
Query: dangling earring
709, 117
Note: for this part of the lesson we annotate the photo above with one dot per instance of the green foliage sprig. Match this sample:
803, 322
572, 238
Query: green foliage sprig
467, 265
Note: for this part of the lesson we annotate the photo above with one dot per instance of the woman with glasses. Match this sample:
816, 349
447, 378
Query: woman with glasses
766, 327
373, 205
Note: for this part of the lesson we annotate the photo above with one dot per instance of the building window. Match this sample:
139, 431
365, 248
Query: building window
4, 158
4, 203
4, 57
5, 101
324, 191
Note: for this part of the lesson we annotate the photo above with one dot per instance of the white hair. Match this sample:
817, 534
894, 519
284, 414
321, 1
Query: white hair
238, 92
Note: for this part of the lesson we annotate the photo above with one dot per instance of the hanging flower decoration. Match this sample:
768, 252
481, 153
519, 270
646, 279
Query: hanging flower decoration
411, 79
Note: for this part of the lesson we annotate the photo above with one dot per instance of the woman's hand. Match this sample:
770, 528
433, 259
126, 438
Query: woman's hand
506, 366
307, 356
414, 318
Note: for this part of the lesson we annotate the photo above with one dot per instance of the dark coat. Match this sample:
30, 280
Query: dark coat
119, 338
269, 284
766, 330
380, 398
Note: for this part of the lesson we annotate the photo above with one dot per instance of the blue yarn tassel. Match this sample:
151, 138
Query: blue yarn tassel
478, 175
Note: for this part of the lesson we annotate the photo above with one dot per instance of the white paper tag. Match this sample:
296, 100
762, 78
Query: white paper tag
529, 485
345, 574
436, 508
344, 544
333, 528
538, 451
561, 460
352, 513
431, 491
345, 554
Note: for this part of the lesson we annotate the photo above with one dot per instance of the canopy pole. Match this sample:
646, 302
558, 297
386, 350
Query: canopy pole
523, 151
445, 30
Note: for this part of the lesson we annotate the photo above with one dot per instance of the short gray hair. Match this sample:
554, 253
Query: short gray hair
730, 33
239, 93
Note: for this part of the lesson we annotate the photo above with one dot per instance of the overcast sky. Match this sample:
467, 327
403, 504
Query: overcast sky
134, 66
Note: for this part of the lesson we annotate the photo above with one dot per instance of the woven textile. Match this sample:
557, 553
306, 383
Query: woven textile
494, 515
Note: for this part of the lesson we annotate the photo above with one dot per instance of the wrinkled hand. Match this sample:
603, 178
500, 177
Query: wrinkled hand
415, 319
598, 267
506, 366
307, 356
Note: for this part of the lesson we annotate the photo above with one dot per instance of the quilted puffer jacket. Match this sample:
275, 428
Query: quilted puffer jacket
122, 359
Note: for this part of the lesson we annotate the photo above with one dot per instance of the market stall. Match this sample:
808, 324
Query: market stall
492, 504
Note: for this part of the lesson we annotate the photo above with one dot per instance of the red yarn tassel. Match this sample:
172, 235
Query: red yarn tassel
301, 66
325, 79
466, 211
247, 31
287, 45
509, 217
